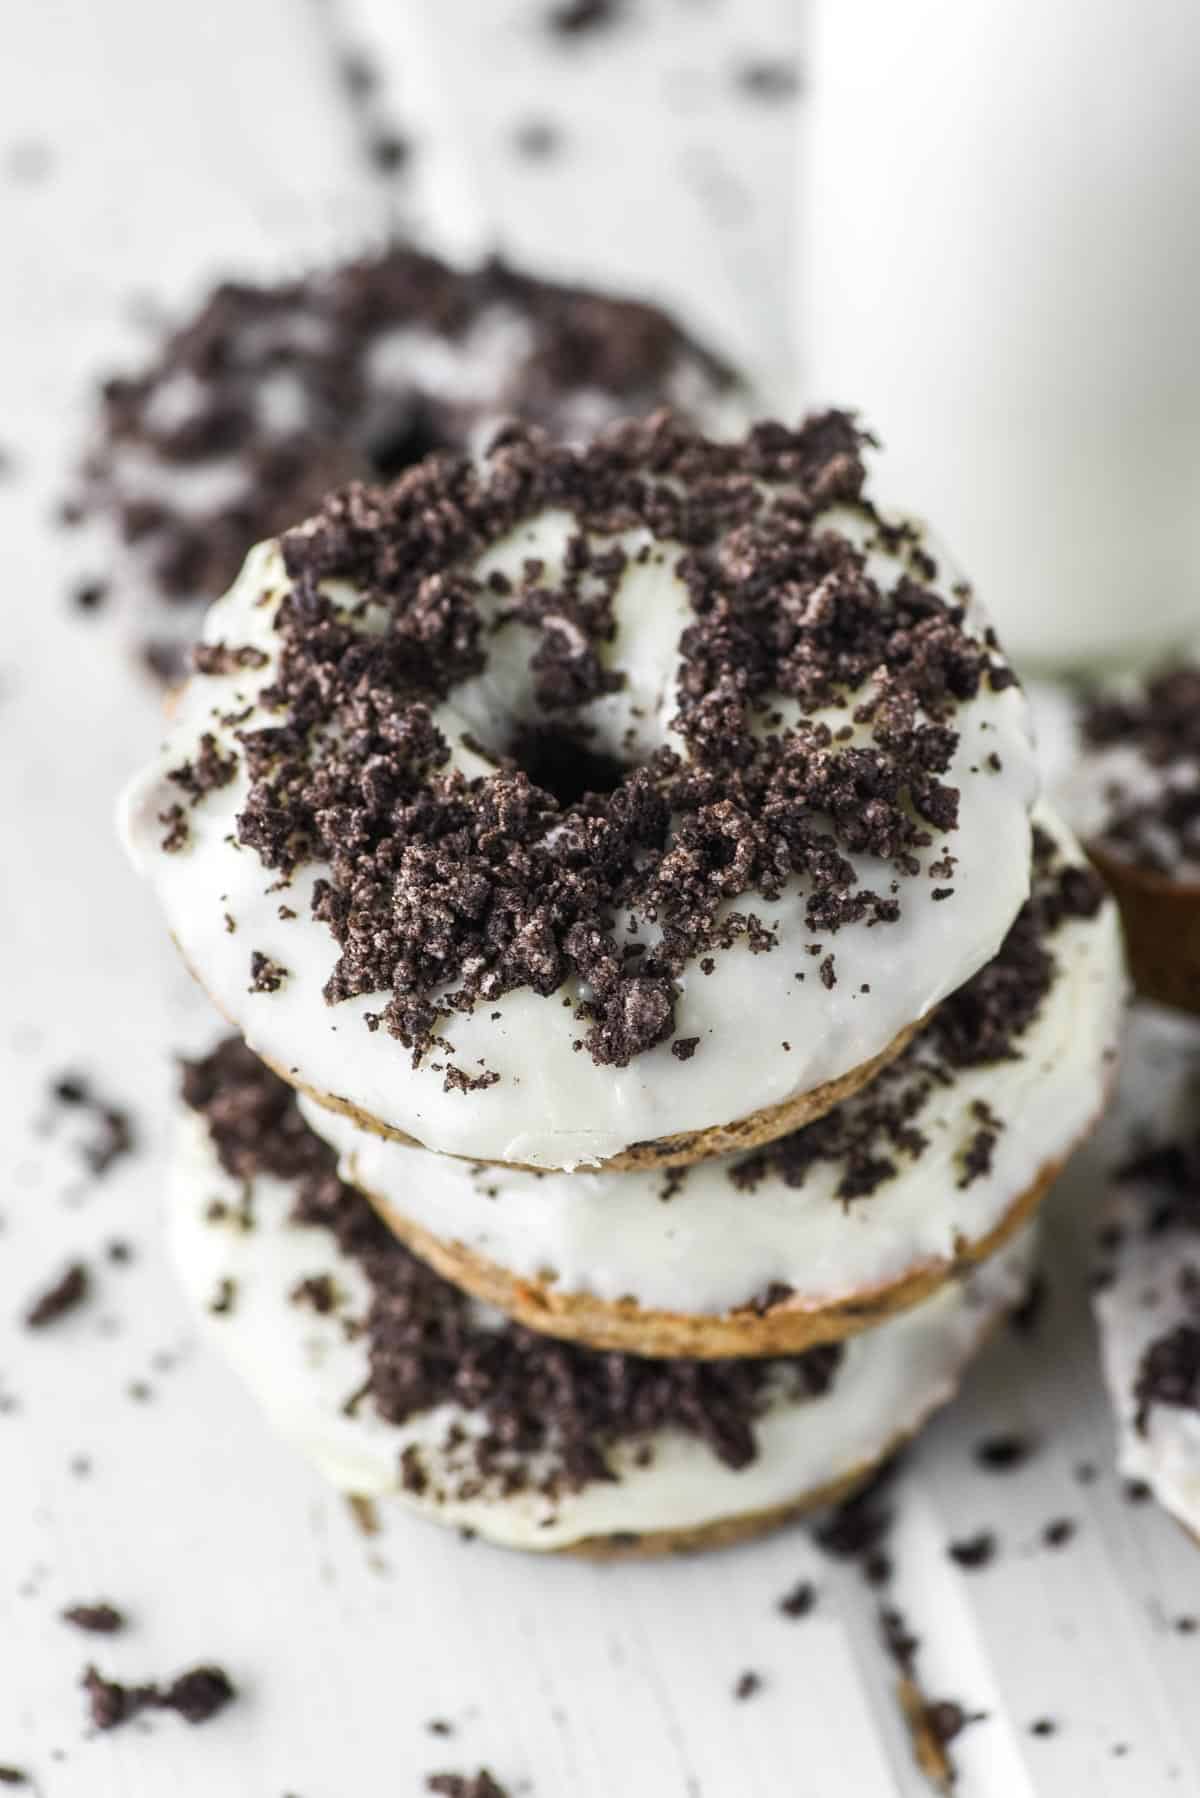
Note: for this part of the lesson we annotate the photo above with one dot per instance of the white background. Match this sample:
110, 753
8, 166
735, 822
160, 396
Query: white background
185, 141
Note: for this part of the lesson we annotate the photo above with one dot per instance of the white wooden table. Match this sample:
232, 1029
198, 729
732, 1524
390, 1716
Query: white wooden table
144, 149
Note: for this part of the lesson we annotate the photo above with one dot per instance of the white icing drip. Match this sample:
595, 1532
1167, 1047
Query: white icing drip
302, 1368
553, 1106
710, 1247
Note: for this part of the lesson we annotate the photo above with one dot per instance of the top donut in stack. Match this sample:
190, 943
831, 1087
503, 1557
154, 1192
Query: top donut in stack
602, 807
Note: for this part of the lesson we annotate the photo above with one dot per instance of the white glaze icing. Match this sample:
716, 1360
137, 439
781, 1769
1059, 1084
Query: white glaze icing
710, 1247
554, 1107
1142, 1301
302, 1367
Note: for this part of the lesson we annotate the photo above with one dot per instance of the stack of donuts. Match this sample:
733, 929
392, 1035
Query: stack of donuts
662, 1000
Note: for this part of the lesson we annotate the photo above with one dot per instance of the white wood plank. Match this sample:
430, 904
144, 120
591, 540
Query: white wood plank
186, 140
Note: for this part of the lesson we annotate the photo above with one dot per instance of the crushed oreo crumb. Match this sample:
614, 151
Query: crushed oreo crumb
536, 138
468, 889
799, 1601
196, 1696
575, 18
266, 976
769, 78
64, 1296
112, 1136
1168, 1371
877, 1130
749, 1684
101, 1619
206, 400
973, 1552
552, 1401
465, 1785
1159, 722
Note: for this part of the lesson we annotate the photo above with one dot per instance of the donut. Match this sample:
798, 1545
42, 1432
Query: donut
395, 1383
822, 1232
616, 805
246, 413
1135, 794
1147, 1288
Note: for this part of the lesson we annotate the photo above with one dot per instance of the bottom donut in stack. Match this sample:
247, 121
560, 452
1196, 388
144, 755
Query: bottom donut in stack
711, 1351
394, 1381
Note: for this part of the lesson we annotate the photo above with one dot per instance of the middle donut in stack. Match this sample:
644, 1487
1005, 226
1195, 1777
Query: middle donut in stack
628, 852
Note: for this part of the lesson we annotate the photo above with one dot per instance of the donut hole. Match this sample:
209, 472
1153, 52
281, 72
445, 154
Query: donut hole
562, 763
400, 434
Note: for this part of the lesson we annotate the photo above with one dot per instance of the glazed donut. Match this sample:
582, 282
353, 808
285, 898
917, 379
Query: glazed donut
394, 1382
1135, 796
251, 409
609, 805
1147, 1286
823, 1232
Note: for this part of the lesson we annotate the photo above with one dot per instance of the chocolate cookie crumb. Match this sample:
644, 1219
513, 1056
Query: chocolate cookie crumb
799, 1601
113, 1134
89, 596
463, 1785
769, 78
103, 1619
1043, 1726
1024, 1319
266, 976
574, 18
1004, 1453
1159, 724
224, 1298
1168, 1373
877, 1131
554, 1409
749, 1684
196, 1696
13, 1776
68, 1292
318, 1292
178, 831
1059, 1532
973, 1551
858, 1527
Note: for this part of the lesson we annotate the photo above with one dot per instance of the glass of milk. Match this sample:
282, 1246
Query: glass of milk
1000, 268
